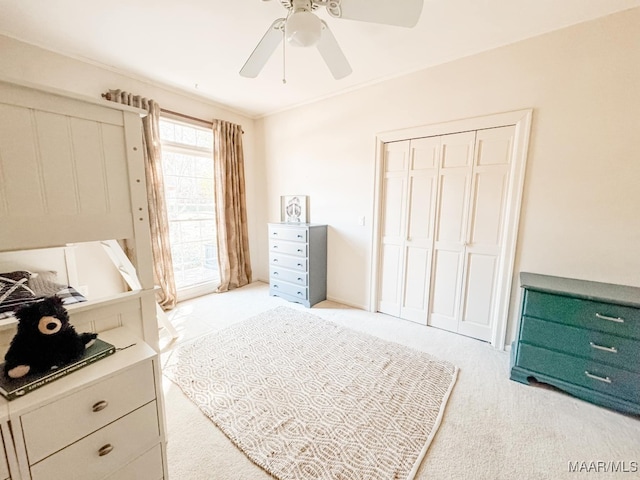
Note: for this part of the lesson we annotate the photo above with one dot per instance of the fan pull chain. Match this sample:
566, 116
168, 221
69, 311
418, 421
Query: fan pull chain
284, 57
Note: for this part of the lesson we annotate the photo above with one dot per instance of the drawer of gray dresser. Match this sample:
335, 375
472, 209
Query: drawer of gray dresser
288, 233
299, 292
282, 274
290, 248
288, 261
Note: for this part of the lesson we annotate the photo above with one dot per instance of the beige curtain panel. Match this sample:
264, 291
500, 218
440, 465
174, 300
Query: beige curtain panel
161, 248
231, 210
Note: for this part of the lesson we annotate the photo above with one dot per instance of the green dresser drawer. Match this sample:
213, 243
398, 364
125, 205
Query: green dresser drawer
590, 344
604, 317
580, 371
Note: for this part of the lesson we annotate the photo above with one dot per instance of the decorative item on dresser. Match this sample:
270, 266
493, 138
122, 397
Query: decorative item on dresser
582, 337
298, 262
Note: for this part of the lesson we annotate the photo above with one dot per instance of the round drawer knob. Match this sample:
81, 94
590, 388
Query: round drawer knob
105, 450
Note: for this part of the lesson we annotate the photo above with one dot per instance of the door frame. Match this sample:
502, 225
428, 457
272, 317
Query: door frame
522, 120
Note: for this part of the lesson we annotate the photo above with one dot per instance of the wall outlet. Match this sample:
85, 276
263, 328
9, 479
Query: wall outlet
361, 221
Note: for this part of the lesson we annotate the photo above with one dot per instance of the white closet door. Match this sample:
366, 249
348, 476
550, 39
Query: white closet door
456, 165
493, 152
394, 188
422, 188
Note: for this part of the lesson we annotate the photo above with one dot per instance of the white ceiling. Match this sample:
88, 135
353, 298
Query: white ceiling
200, 45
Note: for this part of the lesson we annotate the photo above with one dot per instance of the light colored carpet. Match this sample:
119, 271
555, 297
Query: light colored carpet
305, 398
492, 429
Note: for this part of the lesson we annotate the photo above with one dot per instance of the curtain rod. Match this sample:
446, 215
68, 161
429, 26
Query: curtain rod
208, 123
189, 117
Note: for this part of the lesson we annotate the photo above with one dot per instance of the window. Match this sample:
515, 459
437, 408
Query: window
187, 159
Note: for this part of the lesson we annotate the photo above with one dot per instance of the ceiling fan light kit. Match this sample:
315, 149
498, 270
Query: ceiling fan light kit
302, 28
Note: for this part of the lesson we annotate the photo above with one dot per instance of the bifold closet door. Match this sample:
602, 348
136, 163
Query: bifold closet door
454, 186
485, 230
472, 192
409, 194
394, 201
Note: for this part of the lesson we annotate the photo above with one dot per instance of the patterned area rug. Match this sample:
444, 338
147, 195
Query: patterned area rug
304, 398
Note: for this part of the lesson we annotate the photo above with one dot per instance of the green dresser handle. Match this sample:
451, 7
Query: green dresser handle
596, 377
605, 349
611, 319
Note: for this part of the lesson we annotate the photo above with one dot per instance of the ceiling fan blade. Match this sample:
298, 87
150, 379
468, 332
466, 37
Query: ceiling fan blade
332, 54
263, 50
403, 13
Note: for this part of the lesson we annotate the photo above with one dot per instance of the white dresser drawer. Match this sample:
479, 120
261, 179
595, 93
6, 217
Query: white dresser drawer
4, 467
296, 291
290, 248
295, 234
129, 437
62, 422
291, 276
287, 261
147, 466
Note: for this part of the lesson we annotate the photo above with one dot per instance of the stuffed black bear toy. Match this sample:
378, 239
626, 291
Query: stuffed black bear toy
45, 339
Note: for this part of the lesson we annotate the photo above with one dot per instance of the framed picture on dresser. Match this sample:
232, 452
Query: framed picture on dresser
294, 209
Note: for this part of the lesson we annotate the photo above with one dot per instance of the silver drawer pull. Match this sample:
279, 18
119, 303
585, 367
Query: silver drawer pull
300, 293
275, 234
105, 450
299, 264
276, 273
276, 286
275, 260
605, 349
275, 247
611, 319
299, 236
596, 377
300, 250
99, 406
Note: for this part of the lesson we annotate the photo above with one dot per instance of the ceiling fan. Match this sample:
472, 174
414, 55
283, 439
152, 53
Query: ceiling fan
302, 28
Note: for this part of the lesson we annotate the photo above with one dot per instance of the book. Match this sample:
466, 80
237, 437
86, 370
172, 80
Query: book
12, 388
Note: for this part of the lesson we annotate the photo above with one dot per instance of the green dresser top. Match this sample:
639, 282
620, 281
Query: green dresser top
604, 292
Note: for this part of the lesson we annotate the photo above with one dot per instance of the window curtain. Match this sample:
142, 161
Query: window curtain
231, 211
162, 263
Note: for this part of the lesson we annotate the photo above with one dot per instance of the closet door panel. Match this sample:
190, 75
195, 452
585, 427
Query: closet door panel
394, 191
450, 233
484, 237
390, 280
487, 208
444, 300
423, 170
477, 305
415, 285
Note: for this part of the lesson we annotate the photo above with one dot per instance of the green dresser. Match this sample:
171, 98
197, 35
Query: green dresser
582, 337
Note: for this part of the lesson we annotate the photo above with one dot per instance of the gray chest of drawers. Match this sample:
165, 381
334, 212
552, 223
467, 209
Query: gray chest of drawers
582, 337
298, 262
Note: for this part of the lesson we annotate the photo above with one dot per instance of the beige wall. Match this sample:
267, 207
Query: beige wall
31, 64
581, 203
581, 196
